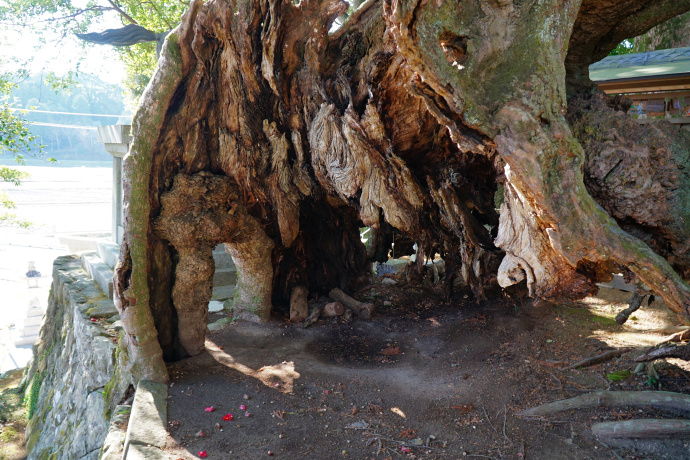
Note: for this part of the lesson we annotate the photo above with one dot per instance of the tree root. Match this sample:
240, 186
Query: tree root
601, 358
648, 429
633, 305
666, 350
661, 400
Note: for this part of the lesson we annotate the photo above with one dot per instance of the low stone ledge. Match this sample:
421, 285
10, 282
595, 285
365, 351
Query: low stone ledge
72, 380
146, 426
113, 445
101, 273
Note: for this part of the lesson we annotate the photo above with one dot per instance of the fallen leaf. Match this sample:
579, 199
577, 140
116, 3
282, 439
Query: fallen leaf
391, 351
408, 434
371, 407
463, 408
278, 413
354, 410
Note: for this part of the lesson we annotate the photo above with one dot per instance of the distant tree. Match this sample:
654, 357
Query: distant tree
15, 138
68, 17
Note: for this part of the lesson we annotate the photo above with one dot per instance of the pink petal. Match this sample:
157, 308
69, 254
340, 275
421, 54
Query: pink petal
202, 453
325, 392
405, 449
227, 417
210, 409
247, 414
243, 407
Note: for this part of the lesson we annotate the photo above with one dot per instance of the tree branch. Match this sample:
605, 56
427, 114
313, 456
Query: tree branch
122, 13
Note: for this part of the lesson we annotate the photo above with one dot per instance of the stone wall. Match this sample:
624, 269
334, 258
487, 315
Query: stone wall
72, 383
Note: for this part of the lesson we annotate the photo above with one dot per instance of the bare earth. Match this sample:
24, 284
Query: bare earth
422, 379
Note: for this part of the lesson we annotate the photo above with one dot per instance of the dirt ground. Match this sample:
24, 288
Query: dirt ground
423, 379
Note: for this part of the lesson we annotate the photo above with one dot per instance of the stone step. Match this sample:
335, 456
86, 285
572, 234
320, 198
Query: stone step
101, 273
225, 277
109, 252
28, 340
222, 258
32, 321
29, 331
223, 292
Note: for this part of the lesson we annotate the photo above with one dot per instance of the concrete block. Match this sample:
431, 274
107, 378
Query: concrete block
109, 252
148, 418
22, 341
215, 306
115, 134
225, 276
221, 258
101, 273
78, 243
223, 292
28, 331
33, 321
35, 311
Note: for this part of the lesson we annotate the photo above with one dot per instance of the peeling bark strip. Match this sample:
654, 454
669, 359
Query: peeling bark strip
407, 119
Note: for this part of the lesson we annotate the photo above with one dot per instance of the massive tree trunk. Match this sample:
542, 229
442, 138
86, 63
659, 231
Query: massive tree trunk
408, 119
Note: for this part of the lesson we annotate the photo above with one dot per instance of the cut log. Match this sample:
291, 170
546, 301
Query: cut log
600, 358
363, 310
643, 429
299, 308
661, 400
669, 350
332, 309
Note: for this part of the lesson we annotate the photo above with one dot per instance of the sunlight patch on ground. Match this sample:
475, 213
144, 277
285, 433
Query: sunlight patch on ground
279, 376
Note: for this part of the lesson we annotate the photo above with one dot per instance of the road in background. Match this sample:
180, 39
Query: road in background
58, 201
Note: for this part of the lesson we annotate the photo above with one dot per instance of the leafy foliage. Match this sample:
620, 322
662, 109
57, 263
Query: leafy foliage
15, 138
74, 16
625, 47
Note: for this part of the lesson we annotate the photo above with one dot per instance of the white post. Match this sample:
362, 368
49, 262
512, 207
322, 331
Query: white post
116, 139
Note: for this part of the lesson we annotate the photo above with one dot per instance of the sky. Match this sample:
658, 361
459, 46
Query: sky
61, 56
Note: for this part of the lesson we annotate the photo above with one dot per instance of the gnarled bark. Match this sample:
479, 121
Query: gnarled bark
407, 119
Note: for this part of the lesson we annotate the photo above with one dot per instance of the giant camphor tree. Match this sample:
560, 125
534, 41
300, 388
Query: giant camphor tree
268, 130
